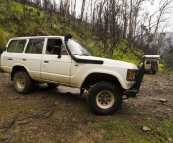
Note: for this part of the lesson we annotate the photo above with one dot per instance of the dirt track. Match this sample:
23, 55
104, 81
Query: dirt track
60, 115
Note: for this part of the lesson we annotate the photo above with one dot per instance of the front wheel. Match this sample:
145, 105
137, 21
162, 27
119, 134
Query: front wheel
104, 98
22, 82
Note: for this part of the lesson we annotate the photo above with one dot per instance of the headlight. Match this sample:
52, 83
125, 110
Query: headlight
131, 75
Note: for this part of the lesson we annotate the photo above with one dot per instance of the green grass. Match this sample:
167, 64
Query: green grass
95, 127
166, 71
108, 125
126, 132
108, 136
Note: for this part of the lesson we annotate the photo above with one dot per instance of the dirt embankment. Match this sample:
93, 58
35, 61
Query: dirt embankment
60, 115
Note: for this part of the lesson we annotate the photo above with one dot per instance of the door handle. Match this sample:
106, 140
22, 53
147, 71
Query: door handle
46, 61
9, 59
24, 59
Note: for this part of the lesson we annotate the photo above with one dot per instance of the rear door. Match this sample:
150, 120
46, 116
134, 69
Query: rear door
31, 59
154, 64
56, 69
147, 64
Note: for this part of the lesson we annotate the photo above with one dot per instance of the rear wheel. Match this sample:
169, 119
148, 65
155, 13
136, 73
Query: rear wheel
104, 98
22, 82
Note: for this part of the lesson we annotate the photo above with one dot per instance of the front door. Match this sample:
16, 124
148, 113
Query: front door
54, 68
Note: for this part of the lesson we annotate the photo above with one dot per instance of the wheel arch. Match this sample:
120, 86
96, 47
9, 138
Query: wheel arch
16, 69
95, 77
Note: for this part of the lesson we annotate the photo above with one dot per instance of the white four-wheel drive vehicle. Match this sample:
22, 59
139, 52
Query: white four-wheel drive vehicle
151, 63
30, 60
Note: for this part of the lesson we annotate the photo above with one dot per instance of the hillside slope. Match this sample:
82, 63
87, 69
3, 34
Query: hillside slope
27, 20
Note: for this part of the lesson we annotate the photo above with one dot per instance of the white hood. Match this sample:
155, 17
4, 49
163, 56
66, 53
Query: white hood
109, 61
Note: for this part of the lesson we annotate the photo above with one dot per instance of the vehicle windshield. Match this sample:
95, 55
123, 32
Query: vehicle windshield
77, 48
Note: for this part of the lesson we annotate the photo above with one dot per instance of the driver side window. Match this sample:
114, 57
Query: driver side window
53, 44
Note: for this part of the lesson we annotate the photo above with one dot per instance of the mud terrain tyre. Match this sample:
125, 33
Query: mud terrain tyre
51, 85
22, 82
104, 98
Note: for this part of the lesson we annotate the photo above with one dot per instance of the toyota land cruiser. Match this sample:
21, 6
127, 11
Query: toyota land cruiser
28, 60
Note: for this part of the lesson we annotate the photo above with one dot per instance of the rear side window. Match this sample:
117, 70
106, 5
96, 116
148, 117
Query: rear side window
16, 46
35, 46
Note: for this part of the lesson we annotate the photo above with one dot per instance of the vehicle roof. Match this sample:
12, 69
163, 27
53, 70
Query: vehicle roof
31, 37
152, 56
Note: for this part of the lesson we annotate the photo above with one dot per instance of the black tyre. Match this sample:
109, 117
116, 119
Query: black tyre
52, 85
104, 98
22, 82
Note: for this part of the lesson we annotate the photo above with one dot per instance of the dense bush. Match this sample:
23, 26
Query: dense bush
3, 40
168, 61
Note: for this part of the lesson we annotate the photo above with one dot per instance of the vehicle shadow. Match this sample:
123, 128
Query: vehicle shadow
61, 94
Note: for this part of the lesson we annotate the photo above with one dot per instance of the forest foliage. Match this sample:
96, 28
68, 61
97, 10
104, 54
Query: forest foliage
112, 29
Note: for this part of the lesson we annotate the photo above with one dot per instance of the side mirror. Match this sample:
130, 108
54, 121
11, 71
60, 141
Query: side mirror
5, 49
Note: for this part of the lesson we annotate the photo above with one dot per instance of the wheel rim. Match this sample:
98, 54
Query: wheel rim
20, 82
105, 99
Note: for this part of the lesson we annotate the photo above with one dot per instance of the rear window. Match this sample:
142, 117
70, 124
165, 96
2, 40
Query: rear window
35, 46
16, 46
153, 61
147, 61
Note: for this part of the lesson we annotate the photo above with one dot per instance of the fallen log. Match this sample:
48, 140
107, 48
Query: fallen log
11, 123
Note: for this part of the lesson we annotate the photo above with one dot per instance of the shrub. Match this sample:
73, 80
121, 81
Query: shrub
168, 61
3, 40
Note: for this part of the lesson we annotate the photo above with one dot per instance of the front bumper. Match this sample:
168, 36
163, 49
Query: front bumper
135, 89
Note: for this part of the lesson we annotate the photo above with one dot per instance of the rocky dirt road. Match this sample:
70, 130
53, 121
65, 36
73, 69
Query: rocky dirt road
61, 115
